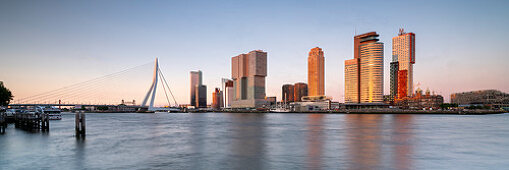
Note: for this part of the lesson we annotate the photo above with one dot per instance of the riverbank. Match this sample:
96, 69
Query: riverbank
378, 111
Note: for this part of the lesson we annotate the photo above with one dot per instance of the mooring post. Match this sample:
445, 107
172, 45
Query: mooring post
2, 123
45, 122
80, 125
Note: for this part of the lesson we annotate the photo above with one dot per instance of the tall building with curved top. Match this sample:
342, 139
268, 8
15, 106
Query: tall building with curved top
364, 73
316, 72
371, 72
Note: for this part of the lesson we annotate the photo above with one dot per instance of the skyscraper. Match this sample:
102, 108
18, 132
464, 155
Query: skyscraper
403, 52
201, 96
248, 74
352, 81
227, 92
217, 99
316, 73
394, 80
300, 90
196, 80
364, 73
287, 93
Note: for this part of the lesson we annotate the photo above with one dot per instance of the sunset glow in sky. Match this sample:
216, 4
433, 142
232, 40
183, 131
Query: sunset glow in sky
45, 45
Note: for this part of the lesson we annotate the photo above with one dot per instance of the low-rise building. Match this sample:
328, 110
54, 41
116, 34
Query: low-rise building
419, 100
491, 98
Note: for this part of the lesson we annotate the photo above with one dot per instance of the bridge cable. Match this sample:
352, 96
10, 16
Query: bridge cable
76, 85
168, 100
164, 79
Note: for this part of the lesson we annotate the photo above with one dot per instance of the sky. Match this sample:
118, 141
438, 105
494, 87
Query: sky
46, 45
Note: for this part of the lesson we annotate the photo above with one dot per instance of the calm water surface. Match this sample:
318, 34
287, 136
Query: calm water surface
263, 141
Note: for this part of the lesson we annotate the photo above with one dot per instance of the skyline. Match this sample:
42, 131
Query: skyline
452, 49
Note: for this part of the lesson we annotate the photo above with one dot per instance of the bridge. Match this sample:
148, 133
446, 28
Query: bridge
95, 92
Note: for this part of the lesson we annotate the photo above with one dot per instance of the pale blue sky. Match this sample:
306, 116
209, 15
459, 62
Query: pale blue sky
461, 45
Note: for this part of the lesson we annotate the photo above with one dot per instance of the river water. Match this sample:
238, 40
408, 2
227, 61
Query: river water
263, 141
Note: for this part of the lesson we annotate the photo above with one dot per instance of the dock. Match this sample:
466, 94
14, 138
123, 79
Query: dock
32, 122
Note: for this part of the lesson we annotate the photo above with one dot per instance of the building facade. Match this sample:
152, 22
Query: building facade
248, 75
371, 72
403, 52
316, 72
352, 81
493, 98
217, 99
300, 90
287, 93
227, 96
419, 101
201, 96
364, 73
394, 82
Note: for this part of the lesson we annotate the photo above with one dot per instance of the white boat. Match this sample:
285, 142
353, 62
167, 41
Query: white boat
280, 110
54, 113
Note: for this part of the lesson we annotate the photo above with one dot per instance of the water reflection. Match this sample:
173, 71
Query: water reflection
401, 136
315, 140
364, 141
79, 154
370, 147
248, 141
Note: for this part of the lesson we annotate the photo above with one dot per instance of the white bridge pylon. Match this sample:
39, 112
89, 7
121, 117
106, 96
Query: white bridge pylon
152, 90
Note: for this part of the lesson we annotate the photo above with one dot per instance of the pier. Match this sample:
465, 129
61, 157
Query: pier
31, 122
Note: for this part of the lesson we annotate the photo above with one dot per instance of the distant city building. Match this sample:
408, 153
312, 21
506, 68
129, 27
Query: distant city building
227, 92
364, 73
493, 98
201, 96
287, 93
197, 98
300, 90
403, 52
248, 74
421, 101
316, 72
217, 99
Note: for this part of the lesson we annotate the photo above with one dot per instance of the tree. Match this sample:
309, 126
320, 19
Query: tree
5, 95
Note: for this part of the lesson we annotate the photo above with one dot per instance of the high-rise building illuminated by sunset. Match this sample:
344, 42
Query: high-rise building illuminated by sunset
196, 81
316, 72
352, 81
217, 99
227, 85
403, 52
248, 75
364, 73
287, 94
300, 90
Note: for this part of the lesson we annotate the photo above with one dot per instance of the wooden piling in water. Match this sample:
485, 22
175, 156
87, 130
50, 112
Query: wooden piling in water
80, 125
3, 123
45, 122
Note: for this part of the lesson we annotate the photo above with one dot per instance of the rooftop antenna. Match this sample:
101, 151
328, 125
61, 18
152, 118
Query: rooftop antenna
401, 31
